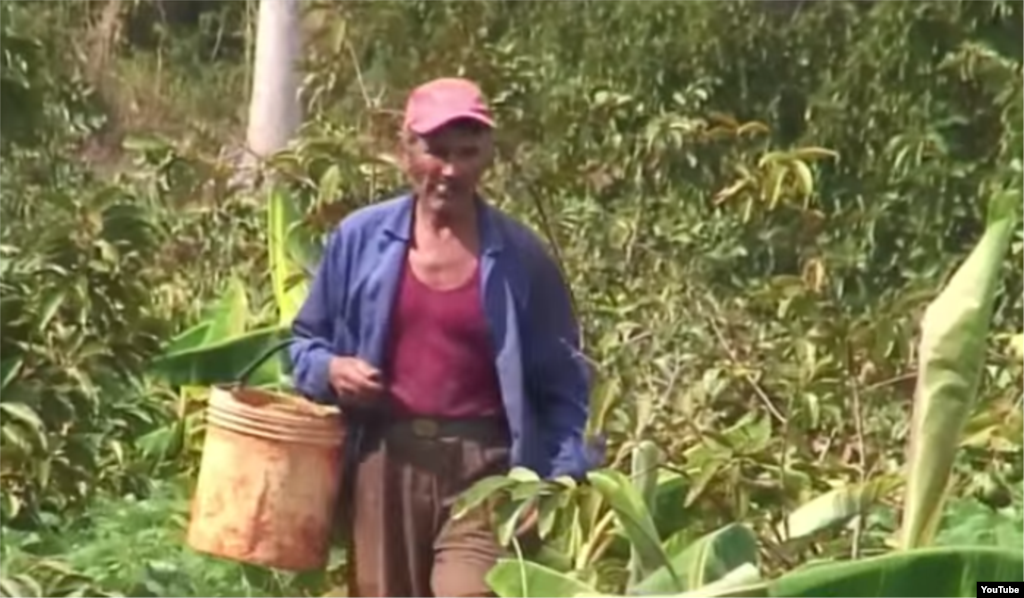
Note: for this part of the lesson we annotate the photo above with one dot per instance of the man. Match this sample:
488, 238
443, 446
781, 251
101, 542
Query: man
445, 331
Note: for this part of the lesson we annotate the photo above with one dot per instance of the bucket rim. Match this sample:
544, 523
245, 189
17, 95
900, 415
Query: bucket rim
322, 437
310, 411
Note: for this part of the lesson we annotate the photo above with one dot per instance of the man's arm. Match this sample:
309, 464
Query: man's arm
313, 329
559, 374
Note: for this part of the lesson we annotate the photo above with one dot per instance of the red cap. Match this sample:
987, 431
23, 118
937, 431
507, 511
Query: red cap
441, 101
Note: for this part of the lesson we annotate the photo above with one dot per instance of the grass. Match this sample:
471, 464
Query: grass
137, 547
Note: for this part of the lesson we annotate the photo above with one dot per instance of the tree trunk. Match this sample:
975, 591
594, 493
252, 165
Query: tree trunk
274, 110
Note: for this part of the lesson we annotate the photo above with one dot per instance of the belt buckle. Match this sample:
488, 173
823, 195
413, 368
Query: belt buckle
425, 428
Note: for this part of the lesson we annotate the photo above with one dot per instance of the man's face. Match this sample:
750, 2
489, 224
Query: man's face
446, 165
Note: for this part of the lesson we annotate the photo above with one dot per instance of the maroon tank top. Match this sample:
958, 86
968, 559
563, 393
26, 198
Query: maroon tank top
440, 360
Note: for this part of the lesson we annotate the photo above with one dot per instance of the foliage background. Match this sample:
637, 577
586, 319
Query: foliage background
753, 202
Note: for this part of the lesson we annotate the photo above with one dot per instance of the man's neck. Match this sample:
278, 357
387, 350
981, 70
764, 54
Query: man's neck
445, 223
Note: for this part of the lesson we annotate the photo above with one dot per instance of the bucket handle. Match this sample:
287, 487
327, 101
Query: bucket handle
249, 370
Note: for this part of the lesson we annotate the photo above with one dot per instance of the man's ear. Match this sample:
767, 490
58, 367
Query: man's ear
404, 148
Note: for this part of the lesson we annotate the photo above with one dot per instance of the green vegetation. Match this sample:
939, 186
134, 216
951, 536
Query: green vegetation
757, 204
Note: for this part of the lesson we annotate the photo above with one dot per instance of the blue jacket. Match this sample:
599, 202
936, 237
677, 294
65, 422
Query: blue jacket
544, 379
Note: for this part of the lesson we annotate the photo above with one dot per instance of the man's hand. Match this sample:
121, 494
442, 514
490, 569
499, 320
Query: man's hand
354, 380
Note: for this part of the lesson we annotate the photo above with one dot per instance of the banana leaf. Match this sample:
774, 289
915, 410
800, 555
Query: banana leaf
223, 362
644, 473
704, 561
230, 315
189, 339
951, 357
632, 513
511, 577
952, 571
836, 507
928, 572
292, 255
226, 318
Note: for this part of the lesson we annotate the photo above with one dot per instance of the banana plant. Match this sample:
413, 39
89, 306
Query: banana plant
220, 346
954, 334
580, 523
724, 563
226, 340
293, 255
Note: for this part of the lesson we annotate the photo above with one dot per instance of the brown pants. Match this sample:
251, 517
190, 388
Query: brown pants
403, 542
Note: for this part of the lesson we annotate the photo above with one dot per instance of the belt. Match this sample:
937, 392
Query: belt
428, 428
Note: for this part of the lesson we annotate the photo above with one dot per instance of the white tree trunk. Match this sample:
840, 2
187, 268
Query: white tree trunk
274, 110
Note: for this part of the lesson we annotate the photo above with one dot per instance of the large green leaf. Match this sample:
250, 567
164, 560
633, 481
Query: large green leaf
669, 496
635, 518
743, 581
479, 493
951, 356
191, 338
230, 315
644, 472
225, 319
922, 572
706, 560
523, 578
289, 253
223, 362
836, 507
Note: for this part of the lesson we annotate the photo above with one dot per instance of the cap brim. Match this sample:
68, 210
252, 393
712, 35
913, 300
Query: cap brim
438, 123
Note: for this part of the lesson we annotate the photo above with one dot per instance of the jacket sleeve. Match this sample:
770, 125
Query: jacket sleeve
559, 375
313, 327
